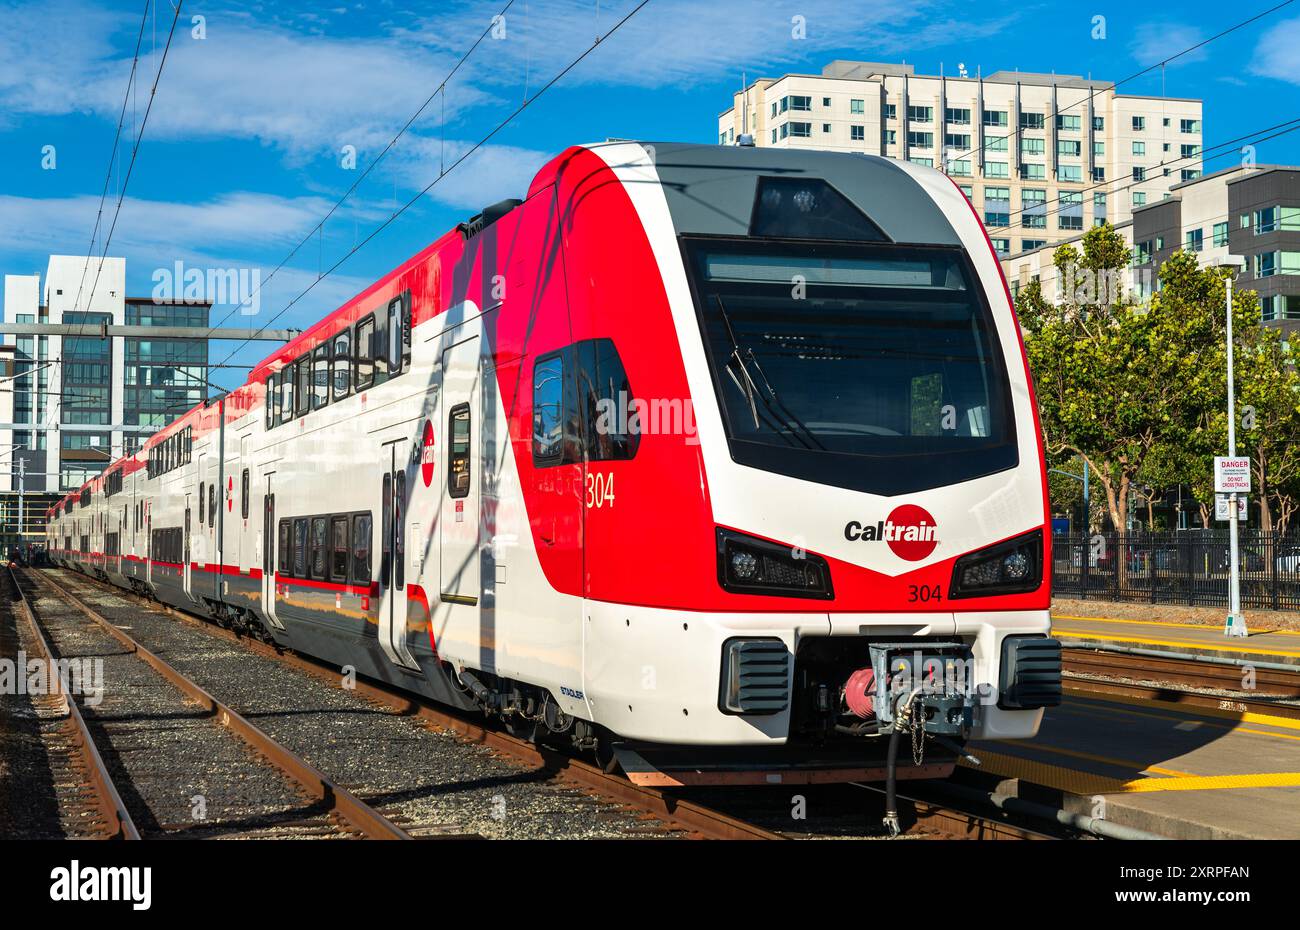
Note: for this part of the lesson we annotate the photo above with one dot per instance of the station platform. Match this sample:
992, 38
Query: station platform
1173, 771
1262, 645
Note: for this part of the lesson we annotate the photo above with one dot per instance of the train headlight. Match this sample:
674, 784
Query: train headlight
1010, 567
747, 565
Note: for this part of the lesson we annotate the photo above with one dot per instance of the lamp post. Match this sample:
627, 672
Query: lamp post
1236, 621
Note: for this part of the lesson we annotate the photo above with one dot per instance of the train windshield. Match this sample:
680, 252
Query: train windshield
869, 367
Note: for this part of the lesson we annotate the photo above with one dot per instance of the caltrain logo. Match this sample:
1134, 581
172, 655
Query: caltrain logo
426, 454
909, 531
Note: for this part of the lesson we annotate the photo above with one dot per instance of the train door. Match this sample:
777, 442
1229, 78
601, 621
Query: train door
267, 540
393, 500
458, 519
186, 581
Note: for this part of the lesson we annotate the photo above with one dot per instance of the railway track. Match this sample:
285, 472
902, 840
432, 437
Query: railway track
722, 817
1174, 681
329, 809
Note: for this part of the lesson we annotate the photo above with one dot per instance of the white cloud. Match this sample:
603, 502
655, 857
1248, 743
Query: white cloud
1275, 56
1157, 41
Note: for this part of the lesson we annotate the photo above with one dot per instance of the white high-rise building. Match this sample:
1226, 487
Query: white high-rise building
1041, 156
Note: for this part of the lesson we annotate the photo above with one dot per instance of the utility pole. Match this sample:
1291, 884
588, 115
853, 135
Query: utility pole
1236, 625
22, 472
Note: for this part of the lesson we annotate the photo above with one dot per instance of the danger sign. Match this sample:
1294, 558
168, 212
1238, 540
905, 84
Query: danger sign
1231, 475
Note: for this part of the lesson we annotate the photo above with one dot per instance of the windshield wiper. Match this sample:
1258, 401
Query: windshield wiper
749, 389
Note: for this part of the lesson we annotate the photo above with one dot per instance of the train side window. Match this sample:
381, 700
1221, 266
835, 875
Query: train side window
605, 402
300, 548
212, 504
302, 402
361, 524
340, 549
271, 402
286, 393
399, 530
548, 410
364, 363
286, 547
394, 340
320, 376
342, 364
319, 550
458, 477
200, 502
386, 531
243, 494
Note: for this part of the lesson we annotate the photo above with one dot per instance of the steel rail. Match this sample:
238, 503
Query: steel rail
108, 799
681, 814
356, 813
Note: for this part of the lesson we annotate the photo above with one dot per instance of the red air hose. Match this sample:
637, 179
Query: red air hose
860, 693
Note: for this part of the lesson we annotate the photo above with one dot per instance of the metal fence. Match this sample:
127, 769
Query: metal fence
1188, 567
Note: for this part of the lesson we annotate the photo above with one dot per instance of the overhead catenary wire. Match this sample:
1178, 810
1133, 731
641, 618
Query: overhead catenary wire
445, 172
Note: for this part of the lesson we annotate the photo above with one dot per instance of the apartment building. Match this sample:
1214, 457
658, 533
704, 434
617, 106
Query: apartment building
1041, 156
1247, 216
89, 397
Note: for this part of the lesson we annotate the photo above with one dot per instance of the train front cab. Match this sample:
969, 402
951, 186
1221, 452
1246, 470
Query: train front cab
862, 490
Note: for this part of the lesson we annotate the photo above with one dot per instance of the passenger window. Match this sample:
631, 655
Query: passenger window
458, 461
361, 549
272, 401
364, 367
243, 494
319, 526
302, 401
339, 545
394, 333
548, 411
285, 540
342, 364
300, 548
320, 377
212, 505
200, 502
605, 403
286, 394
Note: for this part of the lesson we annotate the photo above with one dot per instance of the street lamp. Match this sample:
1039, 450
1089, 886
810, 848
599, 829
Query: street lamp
1236, 621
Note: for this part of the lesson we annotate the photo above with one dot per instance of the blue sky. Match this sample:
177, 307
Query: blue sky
242, 153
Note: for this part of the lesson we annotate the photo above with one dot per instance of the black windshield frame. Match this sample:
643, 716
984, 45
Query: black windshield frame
927, 465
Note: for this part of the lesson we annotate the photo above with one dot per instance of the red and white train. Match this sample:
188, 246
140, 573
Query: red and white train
723, 459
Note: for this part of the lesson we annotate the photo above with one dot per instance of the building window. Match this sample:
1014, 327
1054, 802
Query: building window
997, 206
1002, 246
1029, 245
1268, 308
826, 127
1139, 199
1194, 240
857, 106
800, 103
891, 137
1033, 146
926, 162
1099, 174
801, 130
1189, 125
995, 118
1219, 235
1032, 121
1071, 210
1068, 123
1032, 171
1189, 151
1265, 220
826, 101
1099, 149
1139, 148
996, 144
960, 167
967, 191
1139, 123
857, 133
1099, 123
1071, 173
1139, 173
957, 116
956, 141
920, 140
773, 135
1068, 148
891, 111
1265, 264
996, 169
920, 114
1189, 174
1033, 208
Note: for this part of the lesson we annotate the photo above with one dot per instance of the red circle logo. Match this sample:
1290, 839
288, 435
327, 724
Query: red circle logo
426, 454
911, 532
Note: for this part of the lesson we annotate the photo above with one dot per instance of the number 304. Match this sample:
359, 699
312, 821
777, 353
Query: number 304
923, 593
600, 490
